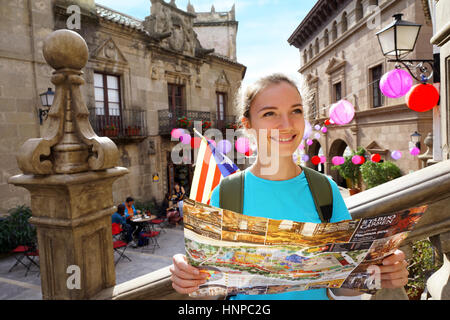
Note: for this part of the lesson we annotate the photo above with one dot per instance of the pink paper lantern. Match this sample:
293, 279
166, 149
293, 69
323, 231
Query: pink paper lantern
337, 160
323, 159
342, 112
324, 129
414, 151
309, 142
242, 145
356, 159
177, 133
305, 158
224, 146
396, 83
301, 146
185, 138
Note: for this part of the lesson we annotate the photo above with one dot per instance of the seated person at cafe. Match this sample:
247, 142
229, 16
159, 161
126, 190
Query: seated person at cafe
130, 210
119, 217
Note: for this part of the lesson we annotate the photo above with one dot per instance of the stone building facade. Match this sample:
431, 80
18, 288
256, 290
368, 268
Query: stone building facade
340, 58
141, 77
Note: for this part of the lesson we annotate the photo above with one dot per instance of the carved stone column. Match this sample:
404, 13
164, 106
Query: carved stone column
69, 173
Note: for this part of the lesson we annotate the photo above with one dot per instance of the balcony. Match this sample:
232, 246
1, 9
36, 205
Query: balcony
130, 125
185, 119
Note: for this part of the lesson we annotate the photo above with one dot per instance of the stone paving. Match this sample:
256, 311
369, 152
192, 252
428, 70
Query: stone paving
15, 286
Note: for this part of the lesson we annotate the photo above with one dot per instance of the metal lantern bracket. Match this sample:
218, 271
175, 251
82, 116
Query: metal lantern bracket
417, 68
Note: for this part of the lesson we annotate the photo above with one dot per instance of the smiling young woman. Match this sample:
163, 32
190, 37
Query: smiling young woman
272, 110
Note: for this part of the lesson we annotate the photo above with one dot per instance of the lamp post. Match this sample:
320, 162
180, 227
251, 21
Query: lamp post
46, 102
415, 139
397, 40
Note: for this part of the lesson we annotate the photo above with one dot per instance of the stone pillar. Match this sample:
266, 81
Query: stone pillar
69, 173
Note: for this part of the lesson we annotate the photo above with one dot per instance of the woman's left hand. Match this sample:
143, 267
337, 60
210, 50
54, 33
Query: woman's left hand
393, 271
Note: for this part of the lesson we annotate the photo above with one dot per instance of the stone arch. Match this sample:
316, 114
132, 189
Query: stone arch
334, 32
326, 38
313, 150
310, 51
337, 148
359, 13
316, 46
305, 56
344, 22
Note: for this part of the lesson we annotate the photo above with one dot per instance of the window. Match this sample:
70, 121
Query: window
337, 91
344, 22
359, 10
326, 39
310, 51
314, 112
375, 75
334, 31
221, 105
316, 46
175, 94
107, 94
305, 57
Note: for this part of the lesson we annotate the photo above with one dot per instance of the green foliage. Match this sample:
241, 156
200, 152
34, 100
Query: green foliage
421, 265
375, 174
349, 170
15, 229
149, 205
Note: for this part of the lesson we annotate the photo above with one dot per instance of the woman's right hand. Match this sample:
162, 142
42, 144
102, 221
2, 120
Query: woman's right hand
185, 278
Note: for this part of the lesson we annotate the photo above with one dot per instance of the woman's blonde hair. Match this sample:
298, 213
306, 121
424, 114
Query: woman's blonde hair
245, 97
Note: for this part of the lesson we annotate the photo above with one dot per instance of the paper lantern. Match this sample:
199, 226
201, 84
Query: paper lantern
323, 159
185, 138
396, 154
242, 145
336, 161
375, 157
308, 130
324, 129
396, 83
248, 153
301, 146
414, 151
422, 97
362, 159
309, 142
342, 112
315, 160
327, 122
356, 159
224, 146
317, 127
195, 142
305, 158
176, 133
317, 136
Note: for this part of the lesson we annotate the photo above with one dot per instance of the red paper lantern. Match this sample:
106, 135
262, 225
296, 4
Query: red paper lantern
362, 159
375, 157
422, 97
315, 160
195, 142
327, 122
248, 153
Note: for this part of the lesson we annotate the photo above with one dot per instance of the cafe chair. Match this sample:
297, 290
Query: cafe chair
19, 255
116, 231
120, 247
32, 254
158, 222
152, 242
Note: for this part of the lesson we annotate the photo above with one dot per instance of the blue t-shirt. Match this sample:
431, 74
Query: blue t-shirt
117, 218
291, 200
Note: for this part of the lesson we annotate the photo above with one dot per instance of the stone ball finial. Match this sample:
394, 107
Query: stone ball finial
65, 49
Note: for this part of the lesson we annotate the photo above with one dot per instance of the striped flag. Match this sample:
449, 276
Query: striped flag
211, 167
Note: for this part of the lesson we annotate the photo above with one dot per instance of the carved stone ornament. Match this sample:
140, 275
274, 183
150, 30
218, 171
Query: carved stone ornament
68, 143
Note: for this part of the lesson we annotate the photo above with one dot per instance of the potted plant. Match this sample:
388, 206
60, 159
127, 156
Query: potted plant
206, 125
350, 171
231, 125
184, 122
374, 174
110, 131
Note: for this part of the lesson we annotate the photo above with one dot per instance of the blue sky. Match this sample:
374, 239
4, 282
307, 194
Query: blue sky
264, 27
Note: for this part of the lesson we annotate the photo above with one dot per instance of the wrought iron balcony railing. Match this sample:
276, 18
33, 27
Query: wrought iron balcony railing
129, 124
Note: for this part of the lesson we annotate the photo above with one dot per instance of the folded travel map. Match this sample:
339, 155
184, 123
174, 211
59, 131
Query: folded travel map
252, 255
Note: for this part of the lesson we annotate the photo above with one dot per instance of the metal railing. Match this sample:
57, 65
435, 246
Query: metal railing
130, 123
169, 120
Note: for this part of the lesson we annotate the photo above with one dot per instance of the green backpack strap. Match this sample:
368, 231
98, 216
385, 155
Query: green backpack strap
321, 191
232, 192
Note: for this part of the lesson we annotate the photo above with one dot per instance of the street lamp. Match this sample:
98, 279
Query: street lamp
46, 102
415, 139
397, 40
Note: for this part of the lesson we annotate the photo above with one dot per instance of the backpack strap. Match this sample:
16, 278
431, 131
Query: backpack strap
232, 192
322, 193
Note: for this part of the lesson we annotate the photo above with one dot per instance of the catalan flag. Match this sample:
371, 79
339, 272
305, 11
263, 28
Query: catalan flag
210, 168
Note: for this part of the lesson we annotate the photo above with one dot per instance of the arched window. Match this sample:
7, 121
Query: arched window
359, 10
310, 51
305, 56
326, 39
316, 46
344, 22
334, 31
